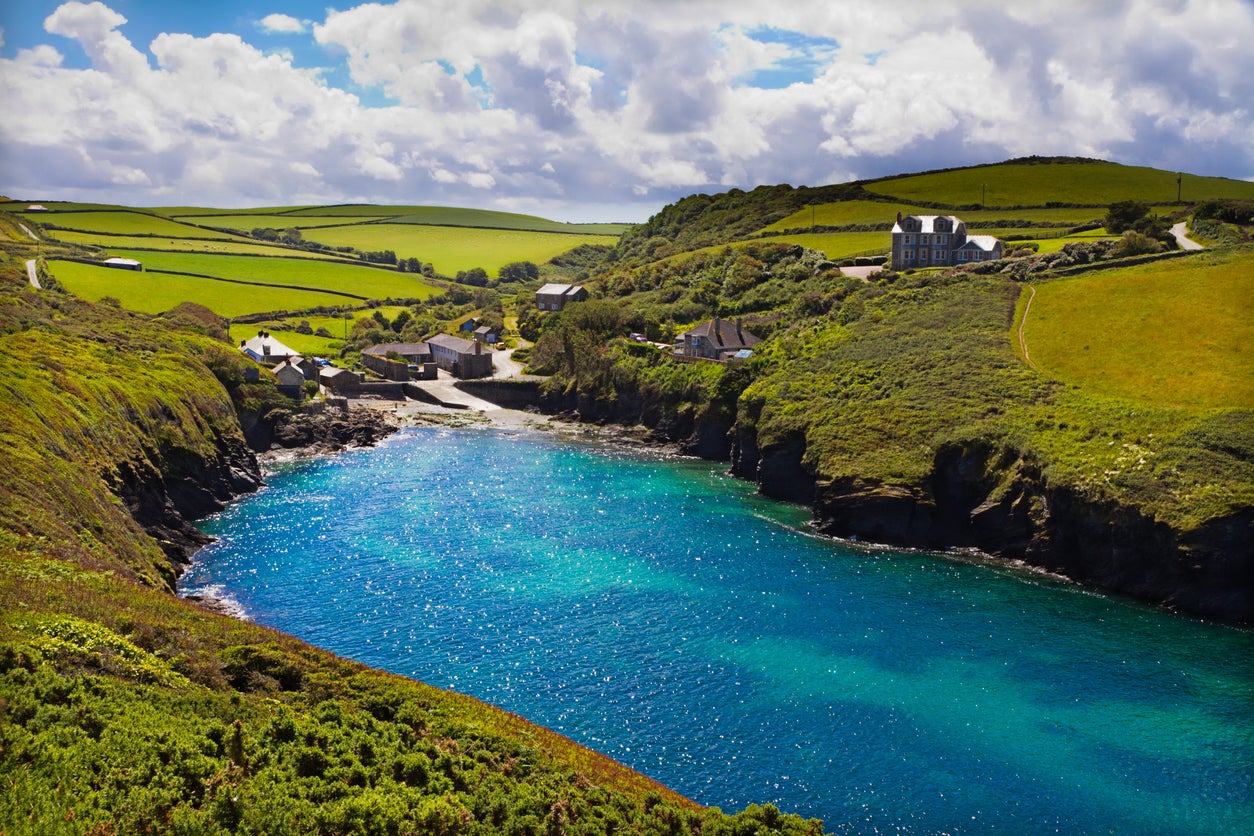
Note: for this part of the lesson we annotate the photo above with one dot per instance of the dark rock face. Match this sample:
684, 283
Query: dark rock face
172, 486
996, 501
325, 430
169, 487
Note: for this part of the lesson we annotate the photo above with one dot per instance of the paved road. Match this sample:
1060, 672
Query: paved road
32, 270
1180, 230
26, 229
504, 365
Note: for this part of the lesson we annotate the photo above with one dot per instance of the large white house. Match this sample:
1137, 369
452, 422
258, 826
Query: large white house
938, 241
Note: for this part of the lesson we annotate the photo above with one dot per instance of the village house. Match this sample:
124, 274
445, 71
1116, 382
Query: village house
485, 334
553, 297
337, 381
938, 241
418, 361
291, 379
265, 349
716, 340
460, 358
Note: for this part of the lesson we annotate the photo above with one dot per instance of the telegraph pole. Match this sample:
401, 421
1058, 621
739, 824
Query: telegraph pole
983, 186
1179, 177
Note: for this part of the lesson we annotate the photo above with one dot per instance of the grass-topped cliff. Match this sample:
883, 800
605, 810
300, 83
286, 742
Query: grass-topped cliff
124, 709
1088, 412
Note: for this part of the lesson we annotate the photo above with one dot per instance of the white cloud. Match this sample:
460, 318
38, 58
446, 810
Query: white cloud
567, 102
282, 23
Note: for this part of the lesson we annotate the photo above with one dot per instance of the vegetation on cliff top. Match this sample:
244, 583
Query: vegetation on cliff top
873, 379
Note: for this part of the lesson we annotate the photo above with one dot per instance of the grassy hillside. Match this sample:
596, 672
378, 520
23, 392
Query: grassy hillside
127, 710
902, 406
1092, 183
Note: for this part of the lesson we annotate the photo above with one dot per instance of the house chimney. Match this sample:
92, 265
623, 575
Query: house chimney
478, 348
739, 333
898, 217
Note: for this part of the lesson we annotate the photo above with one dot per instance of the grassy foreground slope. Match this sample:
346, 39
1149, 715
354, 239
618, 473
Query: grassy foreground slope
124, 709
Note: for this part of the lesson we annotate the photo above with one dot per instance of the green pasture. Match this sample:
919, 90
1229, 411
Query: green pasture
198, 211
236, 246
452, 249
55, 206
456, 216
849, 212
248, 222
157, 292
317, 274
838, 245
1099, 184
130, 223
1173, 333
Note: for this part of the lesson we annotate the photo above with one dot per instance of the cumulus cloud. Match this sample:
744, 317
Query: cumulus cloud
567, 103
282, 23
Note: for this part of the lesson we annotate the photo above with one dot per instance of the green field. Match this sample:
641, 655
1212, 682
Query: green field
454, 216
157, 292
849, 212
130, 223
1174, 333
1097, 184
453, 249
249, 222
238, 246
838, 245
315, 274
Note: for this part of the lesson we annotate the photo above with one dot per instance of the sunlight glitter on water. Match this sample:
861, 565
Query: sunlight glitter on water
659, 612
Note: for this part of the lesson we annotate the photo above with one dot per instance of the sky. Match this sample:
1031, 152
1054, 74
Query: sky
599, 110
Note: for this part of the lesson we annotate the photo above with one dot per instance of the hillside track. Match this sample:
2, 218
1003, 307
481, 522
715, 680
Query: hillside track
1023, 322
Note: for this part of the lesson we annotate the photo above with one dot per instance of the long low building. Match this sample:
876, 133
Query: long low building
460, 358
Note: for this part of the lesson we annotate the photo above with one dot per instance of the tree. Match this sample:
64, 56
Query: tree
519, 271
1123, 215
398, 324
475, 276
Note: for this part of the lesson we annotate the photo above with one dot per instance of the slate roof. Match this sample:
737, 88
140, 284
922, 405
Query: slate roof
403, 349
723, 335
927, 223
453, 343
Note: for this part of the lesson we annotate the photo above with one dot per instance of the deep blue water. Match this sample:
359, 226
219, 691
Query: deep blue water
661, 613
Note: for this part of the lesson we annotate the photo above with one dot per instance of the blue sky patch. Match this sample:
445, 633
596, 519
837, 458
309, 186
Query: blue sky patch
808, 56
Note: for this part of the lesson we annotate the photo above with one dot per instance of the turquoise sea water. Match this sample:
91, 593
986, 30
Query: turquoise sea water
661, 613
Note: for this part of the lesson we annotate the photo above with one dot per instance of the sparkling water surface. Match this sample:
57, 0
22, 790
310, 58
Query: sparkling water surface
659, 612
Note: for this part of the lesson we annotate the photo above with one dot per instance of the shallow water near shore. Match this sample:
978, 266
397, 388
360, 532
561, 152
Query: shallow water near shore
659, 612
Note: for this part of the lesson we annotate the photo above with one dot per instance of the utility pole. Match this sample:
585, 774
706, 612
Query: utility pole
1179, 177
983, 186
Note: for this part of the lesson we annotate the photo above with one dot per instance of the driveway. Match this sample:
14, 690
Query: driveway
1180, 230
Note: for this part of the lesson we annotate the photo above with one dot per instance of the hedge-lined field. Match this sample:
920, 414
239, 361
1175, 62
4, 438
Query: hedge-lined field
454, 249
316, 274
155, 292
1174, 333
